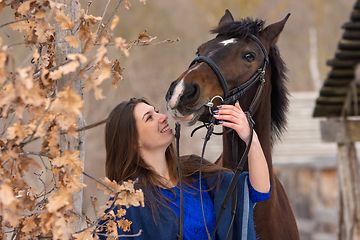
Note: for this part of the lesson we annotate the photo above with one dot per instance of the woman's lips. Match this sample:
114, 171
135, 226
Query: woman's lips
166, 128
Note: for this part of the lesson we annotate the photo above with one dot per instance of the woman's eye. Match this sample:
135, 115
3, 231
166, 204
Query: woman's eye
149, 117
250, 57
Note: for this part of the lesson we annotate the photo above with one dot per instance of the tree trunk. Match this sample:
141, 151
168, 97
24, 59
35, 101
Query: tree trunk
349, 180
67, 142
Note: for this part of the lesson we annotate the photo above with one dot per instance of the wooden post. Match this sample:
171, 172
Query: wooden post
345, 132
348, 178
62, 49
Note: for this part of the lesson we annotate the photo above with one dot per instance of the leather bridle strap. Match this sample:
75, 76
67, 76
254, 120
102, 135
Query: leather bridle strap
216, 70
233, 183
233, 95
180, 235
229, 98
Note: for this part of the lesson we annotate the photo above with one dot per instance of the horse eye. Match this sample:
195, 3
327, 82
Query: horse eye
249, 57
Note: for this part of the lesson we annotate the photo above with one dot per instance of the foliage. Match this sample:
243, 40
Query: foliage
39, 112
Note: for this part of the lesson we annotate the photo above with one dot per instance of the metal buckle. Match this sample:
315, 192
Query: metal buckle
211, 104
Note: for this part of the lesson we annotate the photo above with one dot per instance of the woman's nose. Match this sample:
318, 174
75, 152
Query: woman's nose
162, 118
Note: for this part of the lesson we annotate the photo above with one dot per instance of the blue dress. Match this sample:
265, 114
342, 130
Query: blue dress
166, 225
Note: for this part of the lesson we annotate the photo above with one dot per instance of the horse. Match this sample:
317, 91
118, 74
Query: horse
239, 57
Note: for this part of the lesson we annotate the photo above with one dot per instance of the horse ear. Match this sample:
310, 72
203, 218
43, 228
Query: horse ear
227, 18
271, 33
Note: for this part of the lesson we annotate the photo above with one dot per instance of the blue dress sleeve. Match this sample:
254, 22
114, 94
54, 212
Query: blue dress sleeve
256, 196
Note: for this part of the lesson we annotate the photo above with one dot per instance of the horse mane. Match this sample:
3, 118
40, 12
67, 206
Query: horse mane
279, 92
239, 29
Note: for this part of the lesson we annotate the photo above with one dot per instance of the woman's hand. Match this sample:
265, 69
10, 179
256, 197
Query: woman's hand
234, 118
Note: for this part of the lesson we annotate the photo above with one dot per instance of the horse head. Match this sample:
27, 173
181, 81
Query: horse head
236, 55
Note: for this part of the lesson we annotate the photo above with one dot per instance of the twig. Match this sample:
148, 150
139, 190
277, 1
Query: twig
36, 153
88, 6
6, 127
113, 13
53, 68
123, 235
103, 16
89, 176
29, 42
87, 127
38, 124
8, 23
99, 219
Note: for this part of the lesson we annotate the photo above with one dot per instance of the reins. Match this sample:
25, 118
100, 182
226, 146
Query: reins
229, 98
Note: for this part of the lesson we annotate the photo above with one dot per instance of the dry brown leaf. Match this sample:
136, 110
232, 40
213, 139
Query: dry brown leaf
77, 57
84, 32
119, 42
127, 4
29, 224
2, 5
25, 7
17, 132
86, 235
6, 194
60, 229
25, 76
73, 41
64, 20
58, 200
20, 26
56, 5
92, 19
89, 44
40, 14
65, 69
124, 224
114, 22
68, 102
117, 74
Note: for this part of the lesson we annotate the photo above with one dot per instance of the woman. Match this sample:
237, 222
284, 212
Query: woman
139, 146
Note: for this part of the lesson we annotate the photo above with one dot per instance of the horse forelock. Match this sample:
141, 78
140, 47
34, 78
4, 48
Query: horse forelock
279, 94
239, 29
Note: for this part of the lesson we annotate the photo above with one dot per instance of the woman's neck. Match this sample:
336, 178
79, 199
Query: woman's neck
157, 160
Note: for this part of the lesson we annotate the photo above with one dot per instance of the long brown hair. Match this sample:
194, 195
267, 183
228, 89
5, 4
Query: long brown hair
123, 159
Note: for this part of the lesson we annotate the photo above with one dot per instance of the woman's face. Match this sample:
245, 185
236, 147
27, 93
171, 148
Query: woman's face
153, 129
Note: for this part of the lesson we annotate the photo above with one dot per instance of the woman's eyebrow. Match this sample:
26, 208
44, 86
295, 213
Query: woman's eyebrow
148, 112
145, 115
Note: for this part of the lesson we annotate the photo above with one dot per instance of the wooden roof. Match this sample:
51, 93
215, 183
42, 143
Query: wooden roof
337, 84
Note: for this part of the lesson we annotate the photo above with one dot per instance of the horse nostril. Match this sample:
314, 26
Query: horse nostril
191, 93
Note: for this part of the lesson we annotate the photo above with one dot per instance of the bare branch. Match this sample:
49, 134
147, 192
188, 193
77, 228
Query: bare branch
37, 153
88, 126
97, 31
107, 23
8, 23
42, 43
96, 180
123, 235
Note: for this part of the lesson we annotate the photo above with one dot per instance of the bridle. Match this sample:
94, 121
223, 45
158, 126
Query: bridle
229, 98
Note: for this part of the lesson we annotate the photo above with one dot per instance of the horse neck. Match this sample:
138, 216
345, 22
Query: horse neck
262, 118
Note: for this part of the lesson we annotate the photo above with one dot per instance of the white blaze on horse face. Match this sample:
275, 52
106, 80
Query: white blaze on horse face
178, 90
227, 41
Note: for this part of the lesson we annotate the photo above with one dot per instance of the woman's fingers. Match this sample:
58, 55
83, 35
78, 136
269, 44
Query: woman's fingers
233, 117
